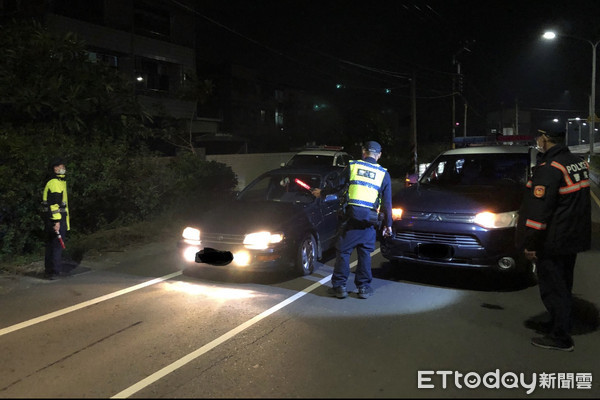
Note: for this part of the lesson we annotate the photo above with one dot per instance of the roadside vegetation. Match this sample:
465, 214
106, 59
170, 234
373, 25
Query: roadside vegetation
55, 102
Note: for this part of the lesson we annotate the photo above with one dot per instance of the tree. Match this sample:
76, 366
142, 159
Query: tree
55, 101
48, 78
198, 91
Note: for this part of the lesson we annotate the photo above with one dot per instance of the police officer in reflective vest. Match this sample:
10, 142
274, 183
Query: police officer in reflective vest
56, 216
555, 225
369, 188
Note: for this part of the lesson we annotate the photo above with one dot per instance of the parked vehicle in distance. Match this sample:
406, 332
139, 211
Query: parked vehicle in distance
275, 223
319, 156
463, 211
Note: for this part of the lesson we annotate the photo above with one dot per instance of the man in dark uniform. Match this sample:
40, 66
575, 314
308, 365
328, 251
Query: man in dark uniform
555, 225
57, 223
370, 187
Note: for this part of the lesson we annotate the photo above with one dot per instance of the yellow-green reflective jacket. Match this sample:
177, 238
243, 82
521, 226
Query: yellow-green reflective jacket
365, 183
56, 200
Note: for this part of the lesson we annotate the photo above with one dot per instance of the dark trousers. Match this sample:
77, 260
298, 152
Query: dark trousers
53, 255
555, 281
363, 239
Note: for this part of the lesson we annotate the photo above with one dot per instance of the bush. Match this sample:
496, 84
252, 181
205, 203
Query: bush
198, 182
56, 102
109, 187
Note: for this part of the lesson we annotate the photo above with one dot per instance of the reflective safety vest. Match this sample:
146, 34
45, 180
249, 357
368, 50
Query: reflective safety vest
365, 182
55, 201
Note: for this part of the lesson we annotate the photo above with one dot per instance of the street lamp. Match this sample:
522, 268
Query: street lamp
549, 35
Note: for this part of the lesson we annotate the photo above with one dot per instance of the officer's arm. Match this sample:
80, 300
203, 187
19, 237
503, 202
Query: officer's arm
386, 199
542, 199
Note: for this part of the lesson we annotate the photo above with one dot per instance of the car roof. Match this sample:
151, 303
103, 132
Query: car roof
501, 149
320, 152
317, 170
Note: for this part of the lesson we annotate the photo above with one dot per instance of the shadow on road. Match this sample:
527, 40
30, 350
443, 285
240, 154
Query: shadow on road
457, 278
585, 319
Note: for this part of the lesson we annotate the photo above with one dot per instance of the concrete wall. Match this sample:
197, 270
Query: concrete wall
249, 166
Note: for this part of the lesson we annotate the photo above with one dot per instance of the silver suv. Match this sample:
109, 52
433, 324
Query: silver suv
319, 156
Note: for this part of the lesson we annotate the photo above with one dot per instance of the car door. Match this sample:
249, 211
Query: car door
329, 208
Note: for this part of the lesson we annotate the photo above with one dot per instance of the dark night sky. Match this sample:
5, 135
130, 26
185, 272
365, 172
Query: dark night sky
373, 44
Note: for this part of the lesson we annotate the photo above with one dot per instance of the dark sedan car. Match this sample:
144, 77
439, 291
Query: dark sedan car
274, 223
463, 210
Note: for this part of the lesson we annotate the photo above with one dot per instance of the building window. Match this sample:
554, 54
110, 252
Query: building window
89, 10
101, 58
155, 75
278, 118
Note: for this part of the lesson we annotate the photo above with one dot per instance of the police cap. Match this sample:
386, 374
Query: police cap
372, 146
550, 133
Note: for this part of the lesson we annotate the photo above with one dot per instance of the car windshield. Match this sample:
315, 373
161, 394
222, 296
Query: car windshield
289, 188
477, 169
310, 160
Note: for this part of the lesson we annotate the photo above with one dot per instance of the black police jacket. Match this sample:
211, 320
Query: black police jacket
555, 217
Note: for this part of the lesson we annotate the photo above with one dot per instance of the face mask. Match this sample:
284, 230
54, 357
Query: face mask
538, 147
61, 171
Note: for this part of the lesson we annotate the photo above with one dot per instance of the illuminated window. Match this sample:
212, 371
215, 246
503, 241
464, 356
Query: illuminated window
156, 75
278, 118
101, 58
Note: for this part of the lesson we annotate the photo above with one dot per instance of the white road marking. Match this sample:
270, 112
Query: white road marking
220, 340
88, 303
191, 356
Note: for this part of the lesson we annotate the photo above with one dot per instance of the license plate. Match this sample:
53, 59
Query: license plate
435, 251
214, 257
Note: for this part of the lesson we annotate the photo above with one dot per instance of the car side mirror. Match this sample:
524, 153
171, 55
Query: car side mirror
331, 197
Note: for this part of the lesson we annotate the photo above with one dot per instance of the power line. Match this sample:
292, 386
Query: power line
374, 70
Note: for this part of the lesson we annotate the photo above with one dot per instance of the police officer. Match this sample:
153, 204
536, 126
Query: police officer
555, 225
55, 202
369, 187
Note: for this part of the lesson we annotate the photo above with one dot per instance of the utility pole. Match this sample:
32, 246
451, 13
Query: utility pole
454, 89
516, 116
459, 90
465, 124
413, 119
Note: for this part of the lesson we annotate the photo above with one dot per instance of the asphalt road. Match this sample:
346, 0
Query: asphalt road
132, 324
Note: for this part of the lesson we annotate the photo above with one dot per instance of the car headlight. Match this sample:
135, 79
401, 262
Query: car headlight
496, 220
191, 235
396, 214
261, 240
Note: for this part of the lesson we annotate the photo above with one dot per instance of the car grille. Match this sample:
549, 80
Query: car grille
463, 241
438, 217
222, 238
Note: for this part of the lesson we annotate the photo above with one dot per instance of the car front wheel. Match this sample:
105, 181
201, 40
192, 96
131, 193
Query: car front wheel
307, 255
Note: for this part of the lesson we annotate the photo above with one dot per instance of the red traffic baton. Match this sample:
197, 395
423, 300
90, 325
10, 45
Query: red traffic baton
60, 240
303, 184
